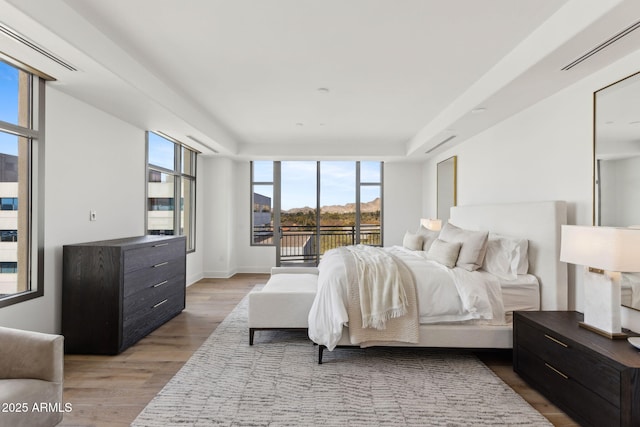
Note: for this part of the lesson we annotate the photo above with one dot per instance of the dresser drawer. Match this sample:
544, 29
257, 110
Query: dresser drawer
150, 310
141, 325
155, 254
569, 394
153, 276
143, 301
592, 371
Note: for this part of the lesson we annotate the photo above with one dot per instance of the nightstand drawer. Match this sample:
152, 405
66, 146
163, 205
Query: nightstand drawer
586, 367
564, 390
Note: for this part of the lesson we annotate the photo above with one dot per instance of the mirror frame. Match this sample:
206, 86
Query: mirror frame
596, 196
446, 186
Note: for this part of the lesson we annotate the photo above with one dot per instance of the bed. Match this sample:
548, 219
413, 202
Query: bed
544, 286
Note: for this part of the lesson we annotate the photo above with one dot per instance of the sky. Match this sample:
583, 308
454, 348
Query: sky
8, 106
337, 182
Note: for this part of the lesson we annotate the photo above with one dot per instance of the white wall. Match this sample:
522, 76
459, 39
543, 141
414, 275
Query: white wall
93, 161
226, 223
402, 200
543, 153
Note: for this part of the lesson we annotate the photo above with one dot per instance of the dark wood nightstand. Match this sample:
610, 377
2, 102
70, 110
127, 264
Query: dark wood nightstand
595, 380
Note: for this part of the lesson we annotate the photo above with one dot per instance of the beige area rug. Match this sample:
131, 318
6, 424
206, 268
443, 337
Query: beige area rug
278, 382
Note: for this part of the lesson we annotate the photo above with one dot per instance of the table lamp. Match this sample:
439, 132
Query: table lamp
431, 224
605, 253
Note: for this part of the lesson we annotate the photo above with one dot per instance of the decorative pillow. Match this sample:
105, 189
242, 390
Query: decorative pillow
412, 241
474, 245
444, 252
506, 256
428, 237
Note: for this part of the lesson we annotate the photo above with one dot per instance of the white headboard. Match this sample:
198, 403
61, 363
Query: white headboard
538, 222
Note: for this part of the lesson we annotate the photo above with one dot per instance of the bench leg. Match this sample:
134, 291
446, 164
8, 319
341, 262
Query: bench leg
320, 351
252, 331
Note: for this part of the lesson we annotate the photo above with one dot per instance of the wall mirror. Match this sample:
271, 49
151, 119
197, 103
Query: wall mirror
616, 168
446, 186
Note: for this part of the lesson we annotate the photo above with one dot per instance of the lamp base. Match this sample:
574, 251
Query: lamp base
610, 335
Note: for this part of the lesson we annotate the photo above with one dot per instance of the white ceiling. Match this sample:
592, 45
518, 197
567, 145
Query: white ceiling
247, 78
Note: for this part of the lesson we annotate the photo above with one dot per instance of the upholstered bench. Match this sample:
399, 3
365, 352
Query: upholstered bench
284, 302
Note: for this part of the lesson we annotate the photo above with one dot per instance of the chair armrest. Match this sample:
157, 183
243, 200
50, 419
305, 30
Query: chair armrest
294, 270
34, 355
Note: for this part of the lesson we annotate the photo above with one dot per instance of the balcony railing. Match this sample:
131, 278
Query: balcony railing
301, 244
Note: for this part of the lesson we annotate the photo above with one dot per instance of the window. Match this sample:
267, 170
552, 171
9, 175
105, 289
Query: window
9, 203
21, 196
8, 267
171, 176
305, 208
262, 219
8, 235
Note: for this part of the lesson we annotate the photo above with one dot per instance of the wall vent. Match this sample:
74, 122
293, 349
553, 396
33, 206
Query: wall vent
440, 144
602, 46
42, 51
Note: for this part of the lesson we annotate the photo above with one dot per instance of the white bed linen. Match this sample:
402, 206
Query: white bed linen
522, 293
444, 295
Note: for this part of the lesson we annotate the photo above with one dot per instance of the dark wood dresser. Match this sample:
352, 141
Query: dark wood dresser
114, 292
592, 378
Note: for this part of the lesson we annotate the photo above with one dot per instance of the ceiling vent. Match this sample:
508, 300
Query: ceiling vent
603, 45
26, 42
440, 144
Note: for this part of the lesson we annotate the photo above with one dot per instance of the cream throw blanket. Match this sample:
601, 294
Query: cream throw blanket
382, 297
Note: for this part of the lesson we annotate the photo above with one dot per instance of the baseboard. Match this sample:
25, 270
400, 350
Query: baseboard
194, 279
231, 273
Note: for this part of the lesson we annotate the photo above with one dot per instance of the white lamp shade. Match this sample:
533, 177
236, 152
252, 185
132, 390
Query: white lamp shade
431, 224
606, 248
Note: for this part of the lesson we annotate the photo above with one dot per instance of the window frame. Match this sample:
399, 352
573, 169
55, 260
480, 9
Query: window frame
33, 207
276, 183
179, 176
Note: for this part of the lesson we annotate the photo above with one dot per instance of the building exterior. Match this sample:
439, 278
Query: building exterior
8, 224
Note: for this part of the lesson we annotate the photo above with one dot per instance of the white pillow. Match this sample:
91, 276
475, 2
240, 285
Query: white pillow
506, 256
412, 241
474, 245
444, 252
523, 256
428, 237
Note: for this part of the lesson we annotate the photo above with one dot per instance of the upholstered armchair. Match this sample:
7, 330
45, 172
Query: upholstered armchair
31, 378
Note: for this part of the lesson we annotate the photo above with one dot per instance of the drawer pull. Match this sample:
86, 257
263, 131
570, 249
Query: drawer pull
160, 284
160, 245
160, 303
556, 371
161, 264
556, 341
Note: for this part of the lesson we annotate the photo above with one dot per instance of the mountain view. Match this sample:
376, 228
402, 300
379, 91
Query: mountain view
372, 206
334, 215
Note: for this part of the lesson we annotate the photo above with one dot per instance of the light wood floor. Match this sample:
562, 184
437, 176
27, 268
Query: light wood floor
112, 390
